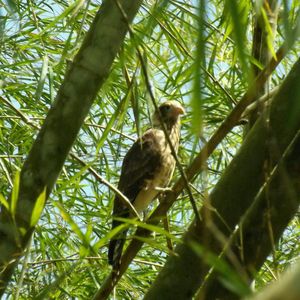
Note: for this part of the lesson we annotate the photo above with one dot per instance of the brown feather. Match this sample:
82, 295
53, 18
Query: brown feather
147, 165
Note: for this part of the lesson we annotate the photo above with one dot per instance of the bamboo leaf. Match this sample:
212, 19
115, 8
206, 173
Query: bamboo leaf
38, 207
15, 194
4, 202
228, 275
44, 72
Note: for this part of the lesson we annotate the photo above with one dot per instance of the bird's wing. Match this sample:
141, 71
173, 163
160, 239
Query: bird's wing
141, 163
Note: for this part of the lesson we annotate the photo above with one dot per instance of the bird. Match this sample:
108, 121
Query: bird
146, 170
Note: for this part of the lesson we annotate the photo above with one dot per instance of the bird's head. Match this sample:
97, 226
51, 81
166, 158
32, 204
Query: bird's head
170, 112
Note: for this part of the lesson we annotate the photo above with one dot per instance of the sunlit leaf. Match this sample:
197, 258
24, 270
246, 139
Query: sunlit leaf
15, 194
4, 202
38, 208
227, 274
12, 5
44, 72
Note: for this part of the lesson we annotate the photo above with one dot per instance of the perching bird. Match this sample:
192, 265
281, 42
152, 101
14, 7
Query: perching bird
147, 168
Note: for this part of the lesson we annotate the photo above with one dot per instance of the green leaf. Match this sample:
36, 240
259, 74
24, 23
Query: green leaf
69, 10
199, 65
83, 251
238, 14
23, 231
12, 5
150, 227
270, 35
4, 202
118, 113
112, 233
38, 207
75, 228
228, 275
42, 79
15, 194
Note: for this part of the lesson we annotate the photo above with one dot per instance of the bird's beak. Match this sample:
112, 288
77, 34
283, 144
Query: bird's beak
179, 110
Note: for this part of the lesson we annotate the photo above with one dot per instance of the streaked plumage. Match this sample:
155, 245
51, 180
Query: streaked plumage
147, 165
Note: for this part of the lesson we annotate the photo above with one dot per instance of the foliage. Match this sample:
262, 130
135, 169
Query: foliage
38, 40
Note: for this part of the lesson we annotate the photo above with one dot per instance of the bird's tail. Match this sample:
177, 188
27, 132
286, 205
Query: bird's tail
115, 247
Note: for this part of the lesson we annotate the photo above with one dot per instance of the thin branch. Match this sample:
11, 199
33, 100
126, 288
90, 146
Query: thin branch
19, 113
26, 119
83, 163
150, 263
108, 184
113, 130
259, 102
71, 258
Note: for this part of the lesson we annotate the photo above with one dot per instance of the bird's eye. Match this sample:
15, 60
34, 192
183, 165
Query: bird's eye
167, 107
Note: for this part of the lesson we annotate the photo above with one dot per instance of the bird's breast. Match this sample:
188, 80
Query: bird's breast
161, 177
